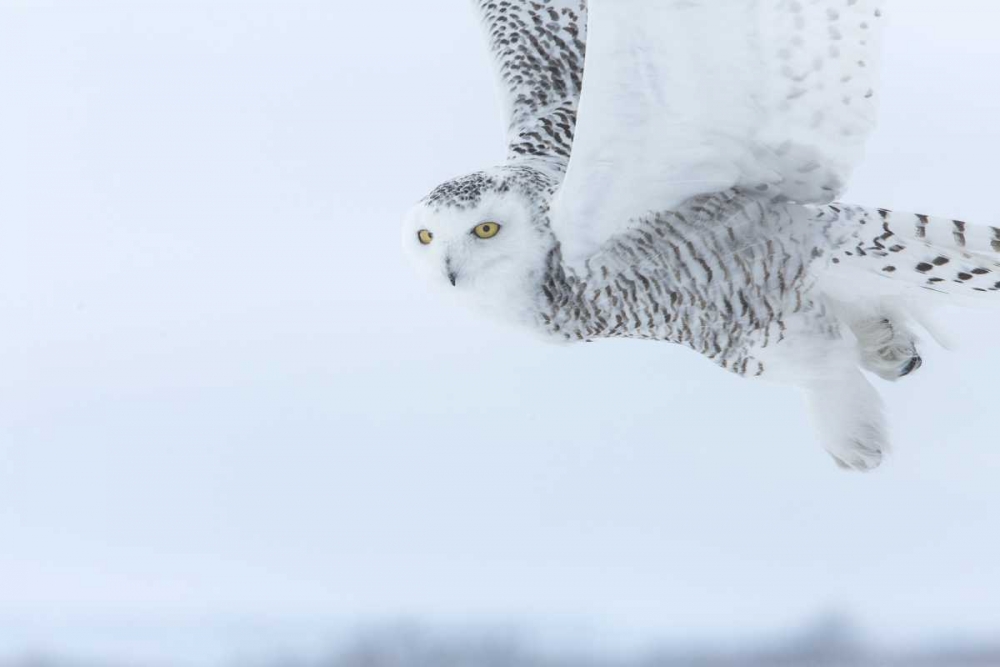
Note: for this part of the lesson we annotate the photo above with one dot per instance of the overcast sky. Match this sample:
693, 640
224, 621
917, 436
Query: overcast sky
224, 394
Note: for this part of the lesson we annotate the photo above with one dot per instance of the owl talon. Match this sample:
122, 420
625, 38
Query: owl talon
915, 363
888, 348
867, 463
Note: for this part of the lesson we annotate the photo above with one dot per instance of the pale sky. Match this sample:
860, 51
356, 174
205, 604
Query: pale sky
225, 395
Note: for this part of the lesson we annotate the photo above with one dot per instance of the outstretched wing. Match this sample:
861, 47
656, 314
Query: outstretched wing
687, 97
538, 47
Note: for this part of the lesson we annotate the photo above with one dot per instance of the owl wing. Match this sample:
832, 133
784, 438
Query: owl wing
688, 97
538, 47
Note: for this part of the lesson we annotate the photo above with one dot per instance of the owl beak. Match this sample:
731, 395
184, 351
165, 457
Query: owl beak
453, 277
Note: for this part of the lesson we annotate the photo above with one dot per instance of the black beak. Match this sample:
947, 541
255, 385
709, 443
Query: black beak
452, 273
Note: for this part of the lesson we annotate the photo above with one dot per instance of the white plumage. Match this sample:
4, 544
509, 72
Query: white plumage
679, 188
683, 98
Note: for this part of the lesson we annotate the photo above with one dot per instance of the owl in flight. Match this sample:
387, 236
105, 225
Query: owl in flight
671, 175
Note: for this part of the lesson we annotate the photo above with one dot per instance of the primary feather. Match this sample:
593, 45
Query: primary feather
538, 50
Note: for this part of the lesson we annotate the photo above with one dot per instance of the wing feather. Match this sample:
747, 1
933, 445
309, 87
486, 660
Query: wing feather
538, 47
687, 97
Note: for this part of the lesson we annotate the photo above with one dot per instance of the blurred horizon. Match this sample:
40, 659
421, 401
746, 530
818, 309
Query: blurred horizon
825, 639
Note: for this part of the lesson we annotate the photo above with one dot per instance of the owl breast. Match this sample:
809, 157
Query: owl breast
725, 275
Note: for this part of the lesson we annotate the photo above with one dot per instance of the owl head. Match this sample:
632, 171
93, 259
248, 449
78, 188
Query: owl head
485, 236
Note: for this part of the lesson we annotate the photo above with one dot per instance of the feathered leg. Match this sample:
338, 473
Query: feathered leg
847, 412
845, 408
886, 345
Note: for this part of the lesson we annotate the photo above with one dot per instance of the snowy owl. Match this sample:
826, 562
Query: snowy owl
681, 187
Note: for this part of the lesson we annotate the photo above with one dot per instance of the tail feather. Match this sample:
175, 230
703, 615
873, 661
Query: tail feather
936, 254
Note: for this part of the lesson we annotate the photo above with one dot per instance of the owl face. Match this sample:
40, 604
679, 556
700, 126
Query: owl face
483, 237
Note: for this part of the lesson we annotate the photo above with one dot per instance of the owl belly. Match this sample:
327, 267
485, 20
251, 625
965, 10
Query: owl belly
727, 290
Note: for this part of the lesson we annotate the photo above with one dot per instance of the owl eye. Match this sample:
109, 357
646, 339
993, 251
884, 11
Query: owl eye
487, 230
425, 236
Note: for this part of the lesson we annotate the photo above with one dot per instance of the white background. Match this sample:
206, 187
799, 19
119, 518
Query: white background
224, 395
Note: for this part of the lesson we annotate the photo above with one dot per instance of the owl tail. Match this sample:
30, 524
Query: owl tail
916, 255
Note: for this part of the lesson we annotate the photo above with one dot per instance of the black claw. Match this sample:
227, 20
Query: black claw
913, 364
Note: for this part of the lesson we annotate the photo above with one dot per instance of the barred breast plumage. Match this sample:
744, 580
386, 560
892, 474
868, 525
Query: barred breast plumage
723, 275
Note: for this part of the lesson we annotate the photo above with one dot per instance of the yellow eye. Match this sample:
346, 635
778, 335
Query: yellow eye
487, 230
425, 236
